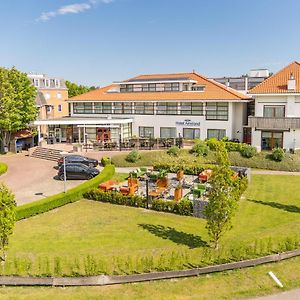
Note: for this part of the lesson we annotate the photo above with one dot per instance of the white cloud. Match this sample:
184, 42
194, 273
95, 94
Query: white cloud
71, 9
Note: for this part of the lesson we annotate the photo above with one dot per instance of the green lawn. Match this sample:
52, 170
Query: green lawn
291, 162
89, 237
238, 284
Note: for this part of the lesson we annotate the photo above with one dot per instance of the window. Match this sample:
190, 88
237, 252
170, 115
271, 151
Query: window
271, 139
56, 82
125, 88
59, 107
172, 87
191, 133
217, 111
36, 82
82, 108
146, 132
276, 111
191, 108
58, 95
199, 88
102, 107
143, 108
48, 108
216, 133
47, 82
168, 132
47, 96
166, 108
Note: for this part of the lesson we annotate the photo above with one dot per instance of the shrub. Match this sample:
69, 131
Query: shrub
105, 160
72, 195
133, 156
3, 168
192, 168
234, 146
184, 207
248, 151
277, 154
200, 148
173, 151
212, 144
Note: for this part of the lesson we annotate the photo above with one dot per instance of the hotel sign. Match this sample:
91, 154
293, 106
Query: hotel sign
187, 122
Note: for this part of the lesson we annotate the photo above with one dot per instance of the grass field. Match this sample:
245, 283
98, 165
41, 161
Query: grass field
238, 284
123, 239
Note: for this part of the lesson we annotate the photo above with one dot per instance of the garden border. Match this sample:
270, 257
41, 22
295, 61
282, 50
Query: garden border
3, 168
102, 280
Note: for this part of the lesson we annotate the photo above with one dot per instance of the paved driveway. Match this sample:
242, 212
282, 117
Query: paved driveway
31, 179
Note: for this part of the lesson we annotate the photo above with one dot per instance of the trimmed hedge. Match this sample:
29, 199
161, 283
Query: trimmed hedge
3, 168
192, 168
184, 207
72, 195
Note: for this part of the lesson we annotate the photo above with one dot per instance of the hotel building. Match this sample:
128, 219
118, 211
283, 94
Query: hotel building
276, 118
158, 106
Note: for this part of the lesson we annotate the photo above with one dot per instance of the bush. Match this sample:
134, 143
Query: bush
72, 195
248, 151
277, 154
105, 160
200, 148
192, 168
184, 207
133, 156
212, 144
3, 168
173, 151
234, 146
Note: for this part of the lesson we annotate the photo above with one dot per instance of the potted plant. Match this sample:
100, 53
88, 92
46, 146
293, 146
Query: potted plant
178, 193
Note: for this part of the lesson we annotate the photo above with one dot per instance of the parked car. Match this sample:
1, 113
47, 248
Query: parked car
78, 159
77, 171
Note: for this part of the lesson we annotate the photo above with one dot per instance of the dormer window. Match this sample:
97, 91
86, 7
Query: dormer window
47, 82
198, 88
36, 82
56, 82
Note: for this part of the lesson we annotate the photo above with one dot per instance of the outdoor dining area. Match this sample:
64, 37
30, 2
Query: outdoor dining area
152, 184
133, 143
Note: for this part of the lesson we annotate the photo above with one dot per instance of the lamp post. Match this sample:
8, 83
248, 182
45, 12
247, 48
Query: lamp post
63, 153
150, 141
120, 142
147, 193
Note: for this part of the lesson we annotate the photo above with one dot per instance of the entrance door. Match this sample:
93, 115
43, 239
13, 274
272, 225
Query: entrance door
103, 134
271, 140
57, 132
69, 134
247, 135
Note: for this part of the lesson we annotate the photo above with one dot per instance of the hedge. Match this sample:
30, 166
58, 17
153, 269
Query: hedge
72, 195
3, 168
184, 207
192, 168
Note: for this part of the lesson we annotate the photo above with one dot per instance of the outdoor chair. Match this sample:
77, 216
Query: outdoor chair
107, 185
205, 175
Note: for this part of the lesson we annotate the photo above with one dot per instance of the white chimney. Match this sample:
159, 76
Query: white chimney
292, 83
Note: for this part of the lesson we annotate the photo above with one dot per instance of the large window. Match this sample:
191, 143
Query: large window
171, 87
191, 133
274, 111
168, 132
83, 108
217, 111
102, 107
126, 88
271, 139
191, 108
143, 108
166, 108
122, 108
146, 132
216, 133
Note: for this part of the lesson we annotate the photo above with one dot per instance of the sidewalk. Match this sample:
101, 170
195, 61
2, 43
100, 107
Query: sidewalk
288, 295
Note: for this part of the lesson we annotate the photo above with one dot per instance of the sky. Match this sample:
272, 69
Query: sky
96, 42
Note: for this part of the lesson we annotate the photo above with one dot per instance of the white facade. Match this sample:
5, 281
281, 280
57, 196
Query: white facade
291, 104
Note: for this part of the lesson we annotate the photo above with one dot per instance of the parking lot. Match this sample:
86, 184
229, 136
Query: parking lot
31, 179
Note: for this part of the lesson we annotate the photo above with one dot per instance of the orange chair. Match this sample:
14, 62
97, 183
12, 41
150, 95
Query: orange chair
132, 188
205, 175
107, 185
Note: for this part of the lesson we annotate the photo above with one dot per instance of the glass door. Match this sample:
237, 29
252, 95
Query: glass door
271, 140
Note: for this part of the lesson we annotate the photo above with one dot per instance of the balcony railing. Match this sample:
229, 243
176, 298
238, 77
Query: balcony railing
274, 123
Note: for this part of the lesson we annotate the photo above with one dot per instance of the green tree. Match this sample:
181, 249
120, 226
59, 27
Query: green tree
75, 89
17, 103
7, 218
223, 198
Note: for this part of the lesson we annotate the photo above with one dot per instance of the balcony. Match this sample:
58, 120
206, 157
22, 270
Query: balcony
274, 123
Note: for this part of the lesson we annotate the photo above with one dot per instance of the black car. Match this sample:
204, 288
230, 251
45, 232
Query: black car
78, 159
77, 171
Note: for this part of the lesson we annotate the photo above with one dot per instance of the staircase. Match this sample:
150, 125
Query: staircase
46, 153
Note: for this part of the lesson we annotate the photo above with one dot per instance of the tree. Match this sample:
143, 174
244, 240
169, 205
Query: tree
7, 218
74, 89
223, 197
17, 103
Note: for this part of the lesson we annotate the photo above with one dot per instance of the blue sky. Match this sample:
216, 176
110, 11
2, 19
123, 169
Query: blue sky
96, 42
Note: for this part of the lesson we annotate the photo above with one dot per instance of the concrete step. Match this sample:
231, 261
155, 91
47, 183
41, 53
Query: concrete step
46, 153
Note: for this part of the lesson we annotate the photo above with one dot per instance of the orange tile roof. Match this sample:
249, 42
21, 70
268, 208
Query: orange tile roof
213, 91
277, 83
